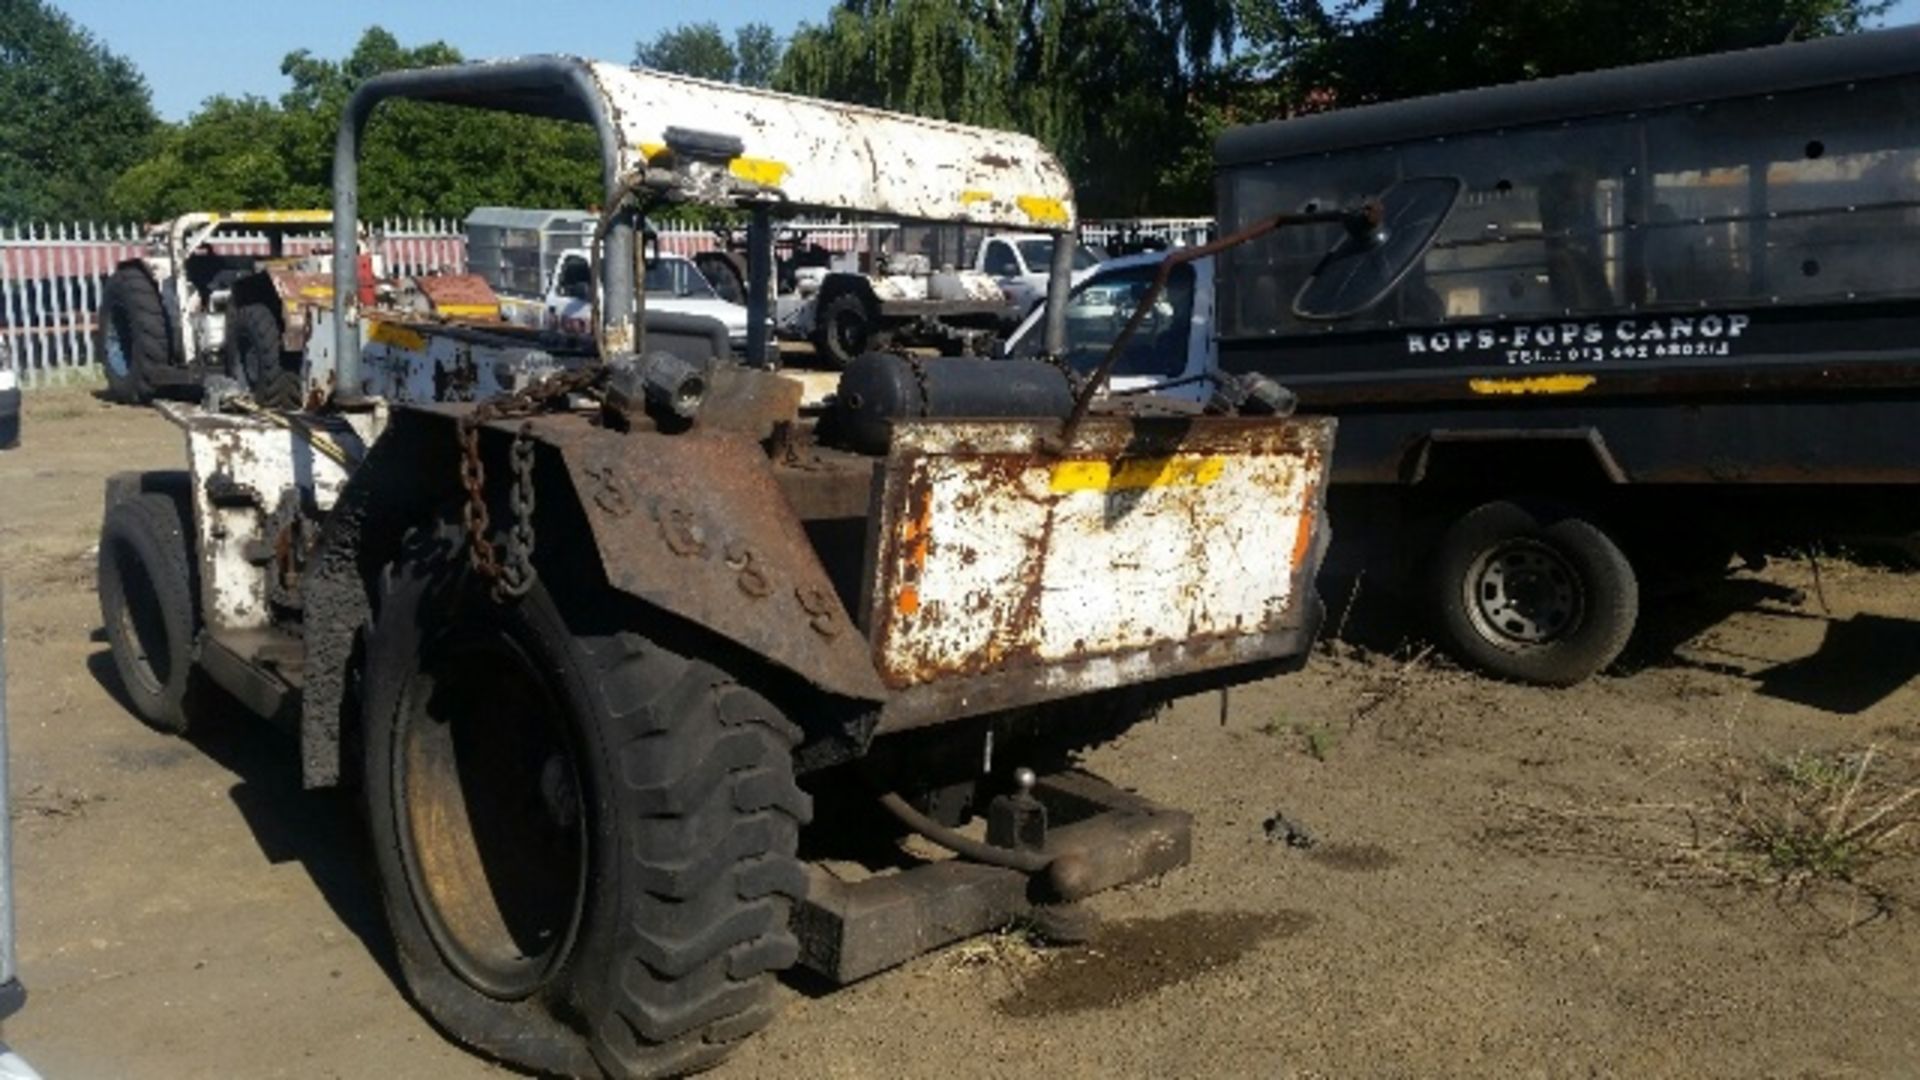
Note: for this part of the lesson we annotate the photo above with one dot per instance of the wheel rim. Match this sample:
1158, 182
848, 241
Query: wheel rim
143, 628
116, 348
491, 816
1524, 593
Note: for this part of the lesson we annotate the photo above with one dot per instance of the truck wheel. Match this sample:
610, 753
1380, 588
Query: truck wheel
149, 602
843, 330
133, 335
1544, 603
726, 272
585, 838
255, 358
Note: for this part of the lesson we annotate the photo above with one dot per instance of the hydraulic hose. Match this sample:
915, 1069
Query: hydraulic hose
1027, 862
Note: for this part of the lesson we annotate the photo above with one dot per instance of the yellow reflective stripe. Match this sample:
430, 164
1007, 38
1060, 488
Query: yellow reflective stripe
466, 310
758, 170
276, 217
397, 336
1137, 473
1045, 210
1538, 384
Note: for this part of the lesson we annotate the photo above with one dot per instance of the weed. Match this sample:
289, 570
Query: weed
1317, 741
1821, 816
1809, 770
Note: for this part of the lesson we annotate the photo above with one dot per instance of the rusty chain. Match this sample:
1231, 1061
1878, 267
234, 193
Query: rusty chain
513, 577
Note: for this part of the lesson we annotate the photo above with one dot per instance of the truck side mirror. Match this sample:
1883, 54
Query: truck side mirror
1381, 245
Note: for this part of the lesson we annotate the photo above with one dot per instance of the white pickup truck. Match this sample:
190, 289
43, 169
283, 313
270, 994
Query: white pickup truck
1020, 262
673, 284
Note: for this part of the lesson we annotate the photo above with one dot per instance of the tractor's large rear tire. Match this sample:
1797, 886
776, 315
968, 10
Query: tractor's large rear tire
255, 358
133, 336
585, 837
149, 602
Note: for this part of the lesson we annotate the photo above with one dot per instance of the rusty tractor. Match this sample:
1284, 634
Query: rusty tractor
627, 644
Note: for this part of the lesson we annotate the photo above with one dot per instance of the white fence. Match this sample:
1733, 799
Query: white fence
52, 275
1172, 232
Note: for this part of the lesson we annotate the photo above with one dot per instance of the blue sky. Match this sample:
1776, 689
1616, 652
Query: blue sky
192, 49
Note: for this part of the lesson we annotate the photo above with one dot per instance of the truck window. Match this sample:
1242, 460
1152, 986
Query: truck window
1099, 309
576, 277
675, 276
1039, 256
999, 260
1811, 195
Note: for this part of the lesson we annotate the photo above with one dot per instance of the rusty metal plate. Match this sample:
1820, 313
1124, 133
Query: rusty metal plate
460, 296
696, 524
1185, 537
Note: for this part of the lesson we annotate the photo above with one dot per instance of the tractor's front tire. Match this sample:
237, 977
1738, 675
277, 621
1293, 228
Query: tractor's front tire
585, 837
149, 603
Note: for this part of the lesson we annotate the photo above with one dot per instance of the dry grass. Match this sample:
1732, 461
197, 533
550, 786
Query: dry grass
1009, 949
1810, 826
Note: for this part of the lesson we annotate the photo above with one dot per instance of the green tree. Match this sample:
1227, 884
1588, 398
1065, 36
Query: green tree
72, 115
416, 158
756, 54
696, 49
701, 50
1107, 84
1350, 52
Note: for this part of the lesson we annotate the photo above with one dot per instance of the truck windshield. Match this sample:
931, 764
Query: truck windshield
674, 276
1038, 255
1100, 308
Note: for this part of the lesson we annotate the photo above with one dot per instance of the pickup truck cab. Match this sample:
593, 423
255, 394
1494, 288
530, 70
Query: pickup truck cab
1018, 263
1172, 352
673, 284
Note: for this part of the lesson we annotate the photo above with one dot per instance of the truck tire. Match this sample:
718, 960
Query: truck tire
150, 604
843, 330
616, 900
133, 336
255, 358
1548, 602
726, 272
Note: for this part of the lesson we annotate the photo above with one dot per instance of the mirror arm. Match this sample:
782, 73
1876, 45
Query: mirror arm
1364, 219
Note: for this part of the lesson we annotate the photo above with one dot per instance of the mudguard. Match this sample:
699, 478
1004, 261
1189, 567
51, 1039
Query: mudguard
696, 525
